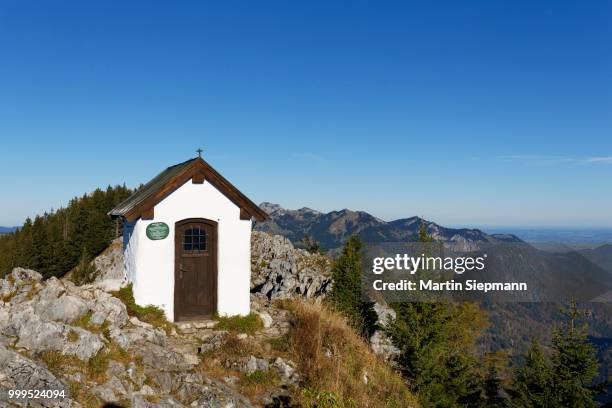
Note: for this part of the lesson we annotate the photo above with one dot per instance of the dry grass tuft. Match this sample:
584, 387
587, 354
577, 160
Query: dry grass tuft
338, 368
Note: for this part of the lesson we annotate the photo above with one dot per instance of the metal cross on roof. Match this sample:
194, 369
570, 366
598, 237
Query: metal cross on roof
199, 152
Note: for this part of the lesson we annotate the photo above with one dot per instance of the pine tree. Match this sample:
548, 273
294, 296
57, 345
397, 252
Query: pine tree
437, 342
347, 295
53, 243
566, 379
533, 382
574, 362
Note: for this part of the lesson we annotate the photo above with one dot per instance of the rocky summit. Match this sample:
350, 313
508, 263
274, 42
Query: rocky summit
85, 342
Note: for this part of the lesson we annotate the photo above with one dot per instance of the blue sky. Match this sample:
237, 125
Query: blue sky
468, 113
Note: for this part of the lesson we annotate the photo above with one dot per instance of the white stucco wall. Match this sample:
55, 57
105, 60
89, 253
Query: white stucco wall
149, 264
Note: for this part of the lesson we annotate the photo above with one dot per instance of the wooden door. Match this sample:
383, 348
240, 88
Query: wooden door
195, 269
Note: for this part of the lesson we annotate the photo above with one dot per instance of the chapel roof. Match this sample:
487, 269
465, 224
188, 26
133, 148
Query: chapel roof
166, 182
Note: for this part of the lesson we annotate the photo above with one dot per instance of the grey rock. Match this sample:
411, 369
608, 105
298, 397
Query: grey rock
19, 372
39, 335
65, 309
110, 262
160, 358
52, 289
214, 342
382, 345
23, 275
108, 308
128, 337
111, 391
255, 364
115, 369
281, 271
285, 370
266, 319
215, 394
384, 313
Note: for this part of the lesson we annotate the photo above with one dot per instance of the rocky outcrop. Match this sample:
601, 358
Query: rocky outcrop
58, 336
110, 262
279, 270
380, 343
18, 372
81, 340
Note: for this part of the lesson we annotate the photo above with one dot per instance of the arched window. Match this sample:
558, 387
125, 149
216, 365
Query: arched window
194, 239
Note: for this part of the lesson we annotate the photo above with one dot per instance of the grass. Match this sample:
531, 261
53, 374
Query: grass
323, 399
7, 298
79, 393
85, 323
248, 324
94, 368
150, 314
281, 344
257, 382
72, 336
338, 381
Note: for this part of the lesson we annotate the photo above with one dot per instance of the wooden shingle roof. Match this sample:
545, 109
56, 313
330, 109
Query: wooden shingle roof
141, 203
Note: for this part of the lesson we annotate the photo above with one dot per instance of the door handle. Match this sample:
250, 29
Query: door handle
180, 271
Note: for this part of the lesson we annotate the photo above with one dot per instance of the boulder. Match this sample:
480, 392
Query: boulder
38, 335
65, 309
19, 372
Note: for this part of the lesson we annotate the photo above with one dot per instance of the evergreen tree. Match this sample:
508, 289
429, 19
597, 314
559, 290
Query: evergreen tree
574, 362
437, 342
53, 243
346, 295
533, 382
566, 379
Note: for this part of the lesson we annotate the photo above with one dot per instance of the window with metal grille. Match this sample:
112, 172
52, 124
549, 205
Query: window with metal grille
194, 239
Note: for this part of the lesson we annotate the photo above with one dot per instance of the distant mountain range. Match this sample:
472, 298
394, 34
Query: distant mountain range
6, 230
584, 274
331, 229
560, 272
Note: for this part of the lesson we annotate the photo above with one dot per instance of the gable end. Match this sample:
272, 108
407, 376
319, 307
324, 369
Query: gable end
142, 202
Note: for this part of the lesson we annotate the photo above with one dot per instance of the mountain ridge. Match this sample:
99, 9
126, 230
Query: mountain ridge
332, 228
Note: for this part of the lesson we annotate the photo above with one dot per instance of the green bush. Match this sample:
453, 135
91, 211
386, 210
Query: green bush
150, 314
248, 324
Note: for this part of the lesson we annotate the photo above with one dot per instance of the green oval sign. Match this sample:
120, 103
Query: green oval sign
157, 230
